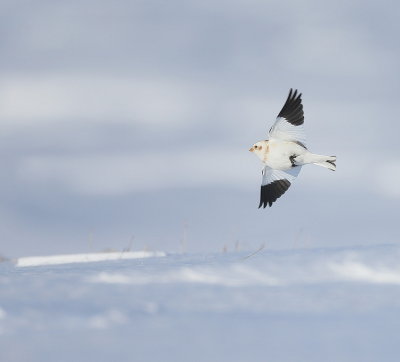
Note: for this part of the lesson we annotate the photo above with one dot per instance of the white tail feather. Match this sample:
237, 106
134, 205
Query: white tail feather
324, 161
320, 160
329, 165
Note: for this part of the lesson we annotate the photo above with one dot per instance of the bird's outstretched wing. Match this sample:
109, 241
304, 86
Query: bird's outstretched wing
275, 183
289, 123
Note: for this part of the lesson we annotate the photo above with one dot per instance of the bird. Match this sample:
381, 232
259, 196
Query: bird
284, 153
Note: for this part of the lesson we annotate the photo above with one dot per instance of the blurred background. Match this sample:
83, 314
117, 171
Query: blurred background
127, 124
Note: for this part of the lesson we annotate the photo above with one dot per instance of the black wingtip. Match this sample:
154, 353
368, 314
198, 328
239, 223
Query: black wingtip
292, 110
271, 192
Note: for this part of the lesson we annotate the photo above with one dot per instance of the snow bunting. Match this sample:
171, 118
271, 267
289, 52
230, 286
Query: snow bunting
285, 152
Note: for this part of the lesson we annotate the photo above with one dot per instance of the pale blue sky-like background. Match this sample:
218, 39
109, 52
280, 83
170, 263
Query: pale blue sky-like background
134, 118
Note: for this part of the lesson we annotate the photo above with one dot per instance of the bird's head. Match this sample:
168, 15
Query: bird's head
258, 147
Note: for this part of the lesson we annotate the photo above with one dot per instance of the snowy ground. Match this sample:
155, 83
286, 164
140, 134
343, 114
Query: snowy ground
299, 305
84, 258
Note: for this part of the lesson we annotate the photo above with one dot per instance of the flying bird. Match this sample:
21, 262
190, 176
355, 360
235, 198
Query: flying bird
285, 152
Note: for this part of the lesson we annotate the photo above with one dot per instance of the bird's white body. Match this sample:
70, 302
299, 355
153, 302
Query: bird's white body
277, 154
284, 153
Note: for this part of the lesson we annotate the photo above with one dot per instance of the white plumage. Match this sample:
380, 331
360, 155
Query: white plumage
284, 153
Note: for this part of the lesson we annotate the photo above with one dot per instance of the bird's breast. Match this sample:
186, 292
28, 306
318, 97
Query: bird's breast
278, 155
265, 154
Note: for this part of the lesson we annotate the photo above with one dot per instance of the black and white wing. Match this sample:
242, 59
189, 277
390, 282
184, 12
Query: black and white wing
275, 183
289, 123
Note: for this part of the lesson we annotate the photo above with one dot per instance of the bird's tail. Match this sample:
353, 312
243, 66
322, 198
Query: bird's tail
324, 161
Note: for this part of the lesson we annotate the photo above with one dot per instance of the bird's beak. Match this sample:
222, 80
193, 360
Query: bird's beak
251, 149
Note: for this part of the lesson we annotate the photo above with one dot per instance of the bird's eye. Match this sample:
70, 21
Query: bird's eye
255, 147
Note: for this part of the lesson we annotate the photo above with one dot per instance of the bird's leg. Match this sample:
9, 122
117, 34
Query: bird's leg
291, 158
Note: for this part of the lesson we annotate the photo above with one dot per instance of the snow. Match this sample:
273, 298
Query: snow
84, 258
336, 304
